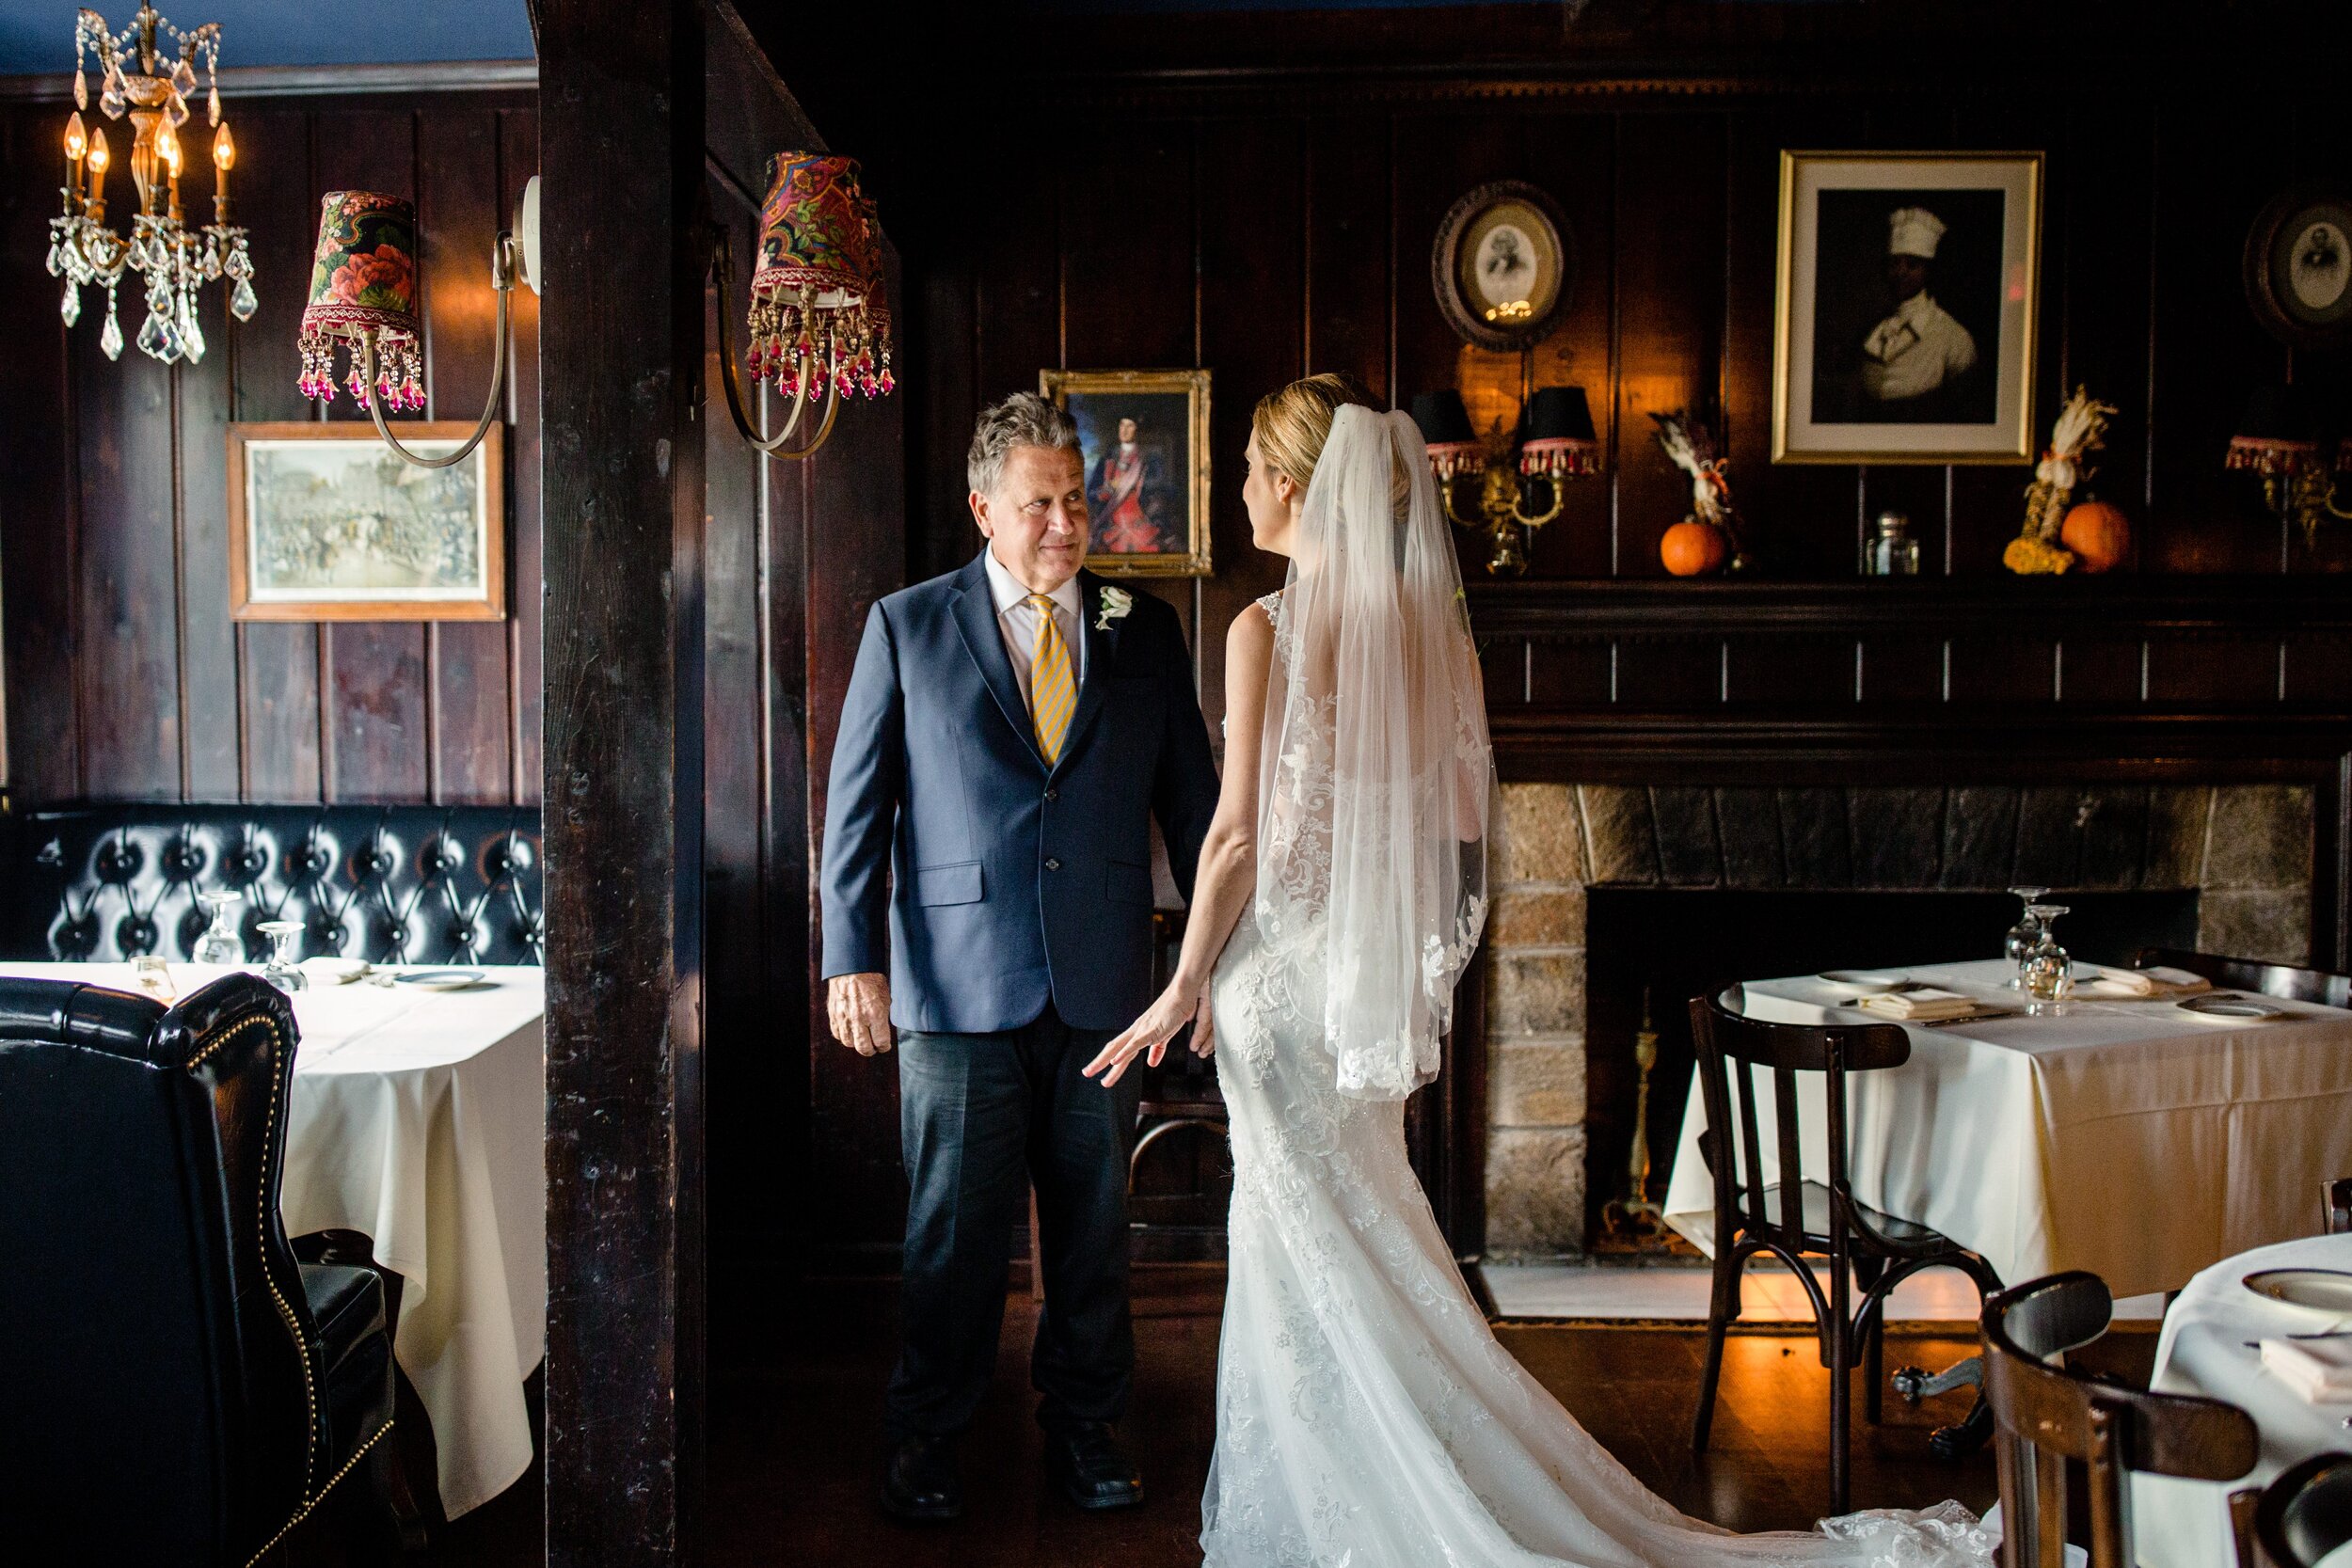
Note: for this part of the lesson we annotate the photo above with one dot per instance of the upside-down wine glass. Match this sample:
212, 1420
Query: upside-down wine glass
220, 944
2049, 972
285, 964
2022, 936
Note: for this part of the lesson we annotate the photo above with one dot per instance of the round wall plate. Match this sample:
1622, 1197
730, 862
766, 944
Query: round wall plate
2298, 268
1503, 264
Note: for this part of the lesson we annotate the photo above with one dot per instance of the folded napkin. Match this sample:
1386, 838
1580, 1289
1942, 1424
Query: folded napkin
2149, 982
1922, 1005
2319, 1370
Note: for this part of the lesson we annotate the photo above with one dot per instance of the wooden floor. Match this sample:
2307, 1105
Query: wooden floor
794, 1445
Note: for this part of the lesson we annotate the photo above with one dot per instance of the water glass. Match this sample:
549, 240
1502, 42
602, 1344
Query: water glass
285, 963
2022, 936
2048, 974
220, 944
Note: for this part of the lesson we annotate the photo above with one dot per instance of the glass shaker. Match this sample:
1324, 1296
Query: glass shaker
1893, 553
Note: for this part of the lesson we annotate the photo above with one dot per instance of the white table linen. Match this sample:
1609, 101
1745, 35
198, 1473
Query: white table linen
2185, 1523
2118, 1137
418, 1120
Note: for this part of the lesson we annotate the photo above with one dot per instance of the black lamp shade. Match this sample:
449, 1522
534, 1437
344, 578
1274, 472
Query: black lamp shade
2278, 434
1442, 419
1559, 414
2276, 411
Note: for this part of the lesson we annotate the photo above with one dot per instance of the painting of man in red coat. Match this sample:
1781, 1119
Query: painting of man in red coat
1129, 497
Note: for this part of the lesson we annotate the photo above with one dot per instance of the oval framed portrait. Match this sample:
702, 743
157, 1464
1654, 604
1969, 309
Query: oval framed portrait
1503, 264
2299, 269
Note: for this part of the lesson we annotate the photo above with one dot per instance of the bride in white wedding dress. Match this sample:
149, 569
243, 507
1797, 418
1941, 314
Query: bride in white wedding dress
1366, 1417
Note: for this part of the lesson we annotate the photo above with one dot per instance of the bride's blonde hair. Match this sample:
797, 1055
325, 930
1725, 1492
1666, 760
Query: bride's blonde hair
1293, 424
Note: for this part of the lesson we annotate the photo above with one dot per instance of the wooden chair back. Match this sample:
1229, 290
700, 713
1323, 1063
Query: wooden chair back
2307, 1512
2335, 1206
1734, 1142
2284, 981
2044, 1414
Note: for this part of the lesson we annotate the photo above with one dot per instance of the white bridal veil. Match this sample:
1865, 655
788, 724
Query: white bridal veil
1377, 775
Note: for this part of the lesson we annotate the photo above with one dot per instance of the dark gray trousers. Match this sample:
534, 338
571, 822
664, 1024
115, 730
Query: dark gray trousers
982, 1116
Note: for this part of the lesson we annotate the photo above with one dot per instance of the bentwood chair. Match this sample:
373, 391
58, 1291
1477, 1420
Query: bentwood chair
2307, 1512
2335, 1206
2284, 981
178, 1390
1792, 1218
2046, 1415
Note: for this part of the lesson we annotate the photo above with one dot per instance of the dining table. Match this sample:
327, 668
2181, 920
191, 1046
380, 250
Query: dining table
418, 1119
2127, 1136
2210, 1346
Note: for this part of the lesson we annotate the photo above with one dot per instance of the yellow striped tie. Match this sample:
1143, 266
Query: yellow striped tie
1053, 691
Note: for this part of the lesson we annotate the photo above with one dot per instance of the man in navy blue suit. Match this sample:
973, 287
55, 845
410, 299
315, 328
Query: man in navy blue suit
1009, 732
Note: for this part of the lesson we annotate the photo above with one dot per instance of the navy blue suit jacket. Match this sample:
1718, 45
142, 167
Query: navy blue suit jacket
1011, 883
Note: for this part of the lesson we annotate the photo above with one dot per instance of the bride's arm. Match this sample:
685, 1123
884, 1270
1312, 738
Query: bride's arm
1228, 855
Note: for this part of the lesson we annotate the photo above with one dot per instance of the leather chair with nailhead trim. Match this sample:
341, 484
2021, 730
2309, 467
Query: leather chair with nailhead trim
177, 1388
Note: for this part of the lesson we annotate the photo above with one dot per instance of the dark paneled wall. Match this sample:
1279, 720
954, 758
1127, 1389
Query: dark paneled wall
126, 679
1268, 231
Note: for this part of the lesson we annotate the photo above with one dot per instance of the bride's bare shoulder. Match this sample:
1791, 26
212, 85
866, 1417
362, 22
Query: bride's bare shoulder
1253, 629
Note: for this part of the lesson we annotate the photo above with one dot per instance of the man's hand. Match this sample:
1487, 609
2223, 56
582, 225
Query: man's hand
858, 1006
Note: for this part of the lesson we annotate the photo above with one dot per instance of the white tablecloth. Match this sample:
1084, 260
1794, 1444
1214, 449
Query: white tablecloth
2118, 1137
418, 1120
2185, 1523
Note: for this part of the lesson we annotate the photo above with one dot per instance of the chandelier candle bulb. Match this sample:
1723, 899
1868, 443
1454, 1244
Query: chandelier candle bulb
224, 159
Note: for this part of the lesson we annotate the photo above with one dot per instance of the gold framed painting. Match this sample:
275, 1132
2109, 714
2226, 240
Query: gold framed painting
327, 523
1145, 438
1905, 324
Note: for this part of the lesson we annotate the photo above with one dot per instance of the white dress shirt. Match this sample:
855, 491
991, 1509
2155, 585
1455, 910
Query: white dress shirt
1017, 619
1915, 351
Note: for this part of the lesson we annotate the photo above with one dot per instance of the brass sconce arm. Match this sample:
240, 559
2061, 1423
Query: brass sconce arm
722, 261
502, 279
1550, 513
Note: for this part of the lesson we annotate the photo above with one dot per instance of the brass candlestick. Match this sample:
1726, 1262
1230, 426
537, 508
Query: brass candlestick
1635, 1215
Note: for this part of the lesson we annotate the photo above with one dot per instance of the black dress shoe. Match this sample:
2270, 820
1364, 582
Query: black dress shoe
1088, 1464
919, 1481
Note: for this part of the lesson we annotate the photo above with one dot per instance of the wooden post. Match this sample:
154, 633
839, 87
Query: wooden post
621, 125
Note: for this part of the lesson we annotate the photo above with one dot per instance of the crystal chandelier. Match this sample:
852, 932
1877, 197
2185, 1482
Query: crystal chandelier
153, 89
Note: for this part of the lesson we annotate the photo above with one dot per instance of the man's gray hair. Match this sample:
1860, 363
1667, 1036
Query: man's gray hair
1022, 419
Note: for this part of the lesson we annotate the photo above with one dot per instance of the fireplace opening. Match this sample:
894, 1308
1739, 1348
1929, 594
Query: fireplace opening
1669, 945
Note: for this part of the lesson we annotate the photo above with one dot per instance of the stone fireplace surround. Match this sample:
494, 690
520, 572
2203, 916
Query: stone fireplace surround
2247, 849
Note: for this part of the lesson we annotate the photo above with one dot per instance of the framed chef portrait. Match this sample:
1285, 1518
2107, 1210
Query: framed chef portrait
1144, 436
1905, 324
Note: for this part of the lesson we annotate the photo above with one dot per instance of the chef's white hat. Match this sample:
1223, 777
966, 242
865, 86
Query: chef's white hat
1913, 231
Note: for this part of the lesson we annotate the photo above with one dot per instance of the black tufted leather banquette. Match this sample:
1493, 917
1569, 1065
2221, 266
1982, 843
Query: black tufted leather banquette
413, 884
178, 1390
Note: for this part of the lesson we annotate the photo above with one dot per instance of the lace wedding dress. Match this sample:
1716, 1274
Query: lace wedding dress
1366, 1417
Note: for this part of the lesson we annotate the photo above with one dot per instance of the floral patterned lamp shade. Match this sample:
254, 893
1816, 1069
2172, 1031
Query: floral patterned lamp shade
363, 285
819, 323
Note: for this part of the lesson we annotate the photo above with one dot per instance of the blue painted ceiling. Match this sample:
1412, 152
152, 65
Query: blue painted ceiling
37, 35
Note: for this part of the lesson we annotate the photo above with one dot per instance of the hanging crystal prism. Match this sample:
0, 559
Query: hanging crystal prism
176, 111
70, 307
191, 335
212, 103
184, 78
155, 339
110, 336
241, 303
81, 86
110, 97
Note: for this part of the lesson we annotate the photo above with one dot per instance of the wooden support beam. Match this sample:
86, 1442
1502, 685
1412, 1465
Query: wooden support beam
621, 127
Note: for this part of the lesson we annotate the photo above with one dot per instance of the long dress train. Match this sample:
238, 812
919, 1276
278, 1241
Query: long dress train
1367, 1417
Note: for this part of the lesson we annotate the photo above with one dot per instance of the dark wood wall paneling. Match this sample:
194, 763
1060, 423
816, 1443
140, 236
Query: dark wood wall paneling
1266, 240
126, 677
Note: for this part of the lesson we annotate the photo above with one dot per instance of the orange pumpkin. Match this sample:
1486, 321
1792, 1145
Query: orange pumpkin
1693, 548
2098, 533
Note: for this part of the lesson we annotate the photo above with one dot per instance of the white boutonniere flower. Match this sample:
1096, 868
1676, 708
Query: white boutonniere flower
1116, 602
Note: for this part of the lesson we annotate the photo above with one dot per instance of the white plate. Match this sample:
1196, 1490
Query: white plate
1862, 982
334, 972
441, 979
2318, 1293
2229, 1009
